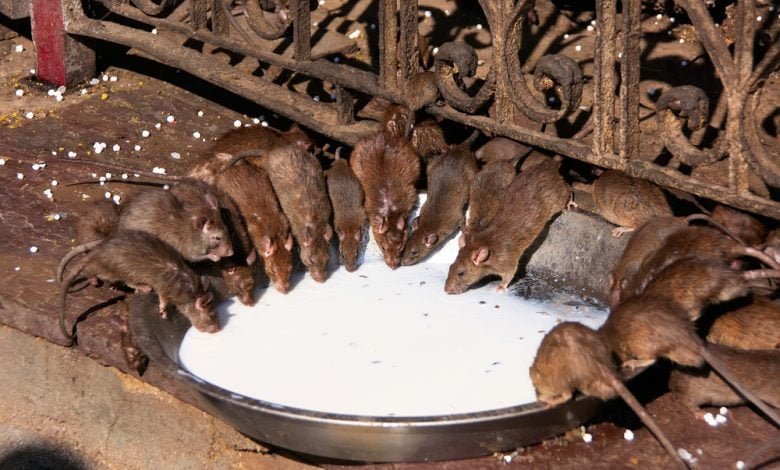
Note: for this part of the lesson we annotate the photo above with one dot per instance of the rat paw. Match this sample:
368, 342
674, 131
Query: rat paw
619, 231
572, 204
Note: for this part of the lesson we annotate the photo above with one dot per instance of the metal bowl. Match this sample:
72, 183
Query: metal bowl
356, 438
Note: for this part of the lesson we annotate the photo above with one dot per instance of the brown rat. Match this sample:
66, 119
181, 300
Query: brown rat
744, 226
268, 228
704, 242
754, 326
428, 140
759, 370
97, 221
501, 149
299, 183
645, 328
349, 216
449, 179
387, 168
528, 204
142, 261
574, 357
187, 217
492, 180
626, 201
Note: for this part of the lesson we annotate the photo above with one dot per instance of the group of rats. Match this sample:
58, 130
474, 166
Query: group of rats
674, 280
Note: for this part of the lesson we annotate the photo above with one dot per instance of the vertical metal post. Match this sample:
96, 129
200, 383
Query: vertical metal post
198, 14
498, 14
629, 82
410, 54
346, 106
301, 30
604, 78
219, 21
388, 32
61, 60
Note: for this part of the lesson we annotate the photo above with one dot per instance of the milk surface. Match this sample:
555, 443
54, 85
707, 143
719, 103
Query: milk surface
378, 342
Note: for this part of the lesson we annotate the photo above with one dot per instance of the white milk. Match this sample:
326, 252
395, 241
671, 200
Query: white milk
378, 342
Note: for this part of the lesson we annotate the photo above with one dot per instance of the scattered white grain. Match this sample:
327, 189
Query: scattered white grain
659, 16
671, 18
723, 410
740, 464
137, 148
32, 71
19, 92
264, 123
72, 154
709, 419
354, 34
116, 147
684, 63
237, 123
154, 30
116, 198
721, 419
628, 435
337, 59
685, 455
566, 36
20, 176
196, 134
170, 119
124, 176
83, 91
2, 161
620, 55
94, 81
107, 195
479, 25
109, 176
17, 268
29, 115
682, 40
56, 217
97, 147
587, 437
113, 78
19, 48
33, 249
58, 98
145, 133
446, 12
105, 78
54, 182
316, 98
200, 113
480, 62
699, 451
158, 170
94, 175
38, 166
589, 28
551, 99
102, 179
759, 18
158, 126
175, 155
435, 50
593, 22
166, 187
428, 13
577, 48
321, 2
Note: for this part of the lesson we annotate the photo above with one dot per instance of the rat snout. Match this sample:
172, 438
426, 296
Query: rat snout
452, 288
283, 287
393, 262
247, 299
319, 275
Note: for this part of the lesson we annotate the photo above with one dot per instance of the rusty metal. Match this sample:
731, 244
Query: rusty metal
551, 90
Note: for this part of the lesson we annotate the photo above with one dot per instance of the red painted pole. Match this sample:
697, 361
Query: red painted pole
61, 59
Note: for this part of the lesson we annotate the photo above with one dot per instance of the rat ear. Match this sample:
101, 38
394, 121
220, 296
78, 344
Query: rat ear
204, 301
430, 239
288, 244
380, 223
328, 233
359, 235
401, 223
211, 200
266, 246
340, 233
415, 223
480, 256
462, 240
306, 237
252, 257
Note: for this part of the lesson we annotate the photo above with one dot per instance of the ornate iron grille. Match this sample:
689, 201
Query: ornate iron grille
682, 112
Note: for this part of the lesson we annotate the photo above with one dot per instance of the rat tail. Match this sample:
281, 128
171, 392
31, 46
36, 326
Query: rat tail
716, 224
728, 376
759, 255
648, 421
122, 168
64, 287
761, 274
84, 247
245, 154
470, 139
